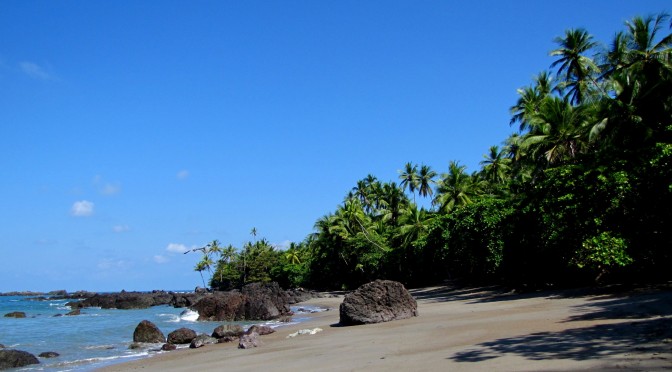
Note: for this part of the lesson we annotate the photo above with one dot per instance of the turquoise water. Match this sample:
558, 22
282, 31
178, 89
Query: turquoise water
91, 340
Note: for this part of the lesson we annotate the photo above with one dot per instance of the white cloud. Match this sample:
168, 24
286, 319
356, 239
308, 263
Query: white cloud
34, 71
82, 208
177, 248
160, 259
183, 174
120, 228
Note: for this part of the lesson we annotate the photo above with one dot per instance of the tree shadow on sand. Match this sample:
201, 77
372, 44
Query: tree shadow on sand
646, 328
587, 343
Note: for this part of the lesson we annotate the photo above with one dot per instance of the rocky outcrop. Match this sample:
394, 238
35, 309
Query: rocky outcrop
16, 358
49, 354
126, 300
148, 332
378, 301
15, 314
255, 301
185, 299
181, 336
202, 340
74, 312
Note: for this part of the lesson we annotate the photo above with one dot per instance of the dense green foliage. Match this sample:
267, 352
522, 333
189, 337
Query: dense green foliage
582, 190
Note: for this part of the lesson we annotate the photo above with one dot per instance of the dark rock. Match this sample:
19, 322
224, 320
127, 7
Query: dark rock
15, 314
228, 330
248, 341
168, 347
221, 306
181, 336
147, 332
49, 354
202, 340
255, 301
16, 358
261, 330
127, 300
2, 346
378, 301
185, 299
22, 293
74, 312
297, 295
200, 290
59, 292
135, 345
265, 301
226, 339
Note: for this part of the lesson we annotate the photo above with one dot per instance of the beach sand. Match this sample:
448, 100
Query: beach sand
463, 329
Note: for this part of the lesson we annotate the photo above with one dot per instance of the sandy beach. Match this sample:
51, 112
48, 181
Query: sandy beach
463, 329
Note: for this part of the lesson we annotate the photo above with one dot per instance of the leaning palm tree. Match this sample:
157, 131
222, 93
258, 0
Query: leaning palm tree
200, 267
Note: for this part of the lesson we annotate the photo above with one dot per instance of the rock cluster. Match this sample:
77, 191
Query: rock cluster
378, 301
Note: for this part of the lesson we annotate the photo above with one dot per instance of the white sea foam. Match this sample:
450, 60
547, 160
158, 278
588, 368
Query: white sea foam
189, 315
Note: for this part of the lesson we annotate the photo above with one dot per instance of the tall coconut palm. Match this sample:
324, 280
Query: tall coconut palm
577, 69
409, 178
426, 181
529, 99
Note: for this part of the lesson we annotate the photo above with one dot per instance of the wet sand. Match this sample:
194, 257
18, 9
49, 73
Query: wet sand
463, 329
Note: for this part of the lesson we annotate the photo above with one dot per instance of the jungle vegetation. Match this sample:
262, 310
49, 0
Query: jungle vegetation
580, 191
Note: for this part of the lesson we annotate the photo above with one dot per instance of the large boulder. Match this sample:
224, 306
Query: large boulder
221, 306
255, 301
378, 301
148, 332
16, 358
181, 336
265, 301
261, 330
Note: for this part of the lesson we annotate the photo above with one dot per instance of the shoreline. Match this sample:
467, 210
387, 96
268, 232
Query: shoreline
462, 329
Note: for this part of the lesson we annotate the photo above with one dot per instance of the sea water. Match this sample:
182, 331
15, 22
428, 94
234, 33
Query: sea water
97, 337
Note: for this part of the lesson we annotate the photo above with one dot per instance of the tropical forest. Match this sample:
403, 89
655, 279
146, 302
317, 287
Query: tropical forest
579, 193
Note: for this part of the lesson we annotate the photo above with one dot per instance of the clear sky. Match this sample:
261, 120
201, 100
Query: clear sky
132, 130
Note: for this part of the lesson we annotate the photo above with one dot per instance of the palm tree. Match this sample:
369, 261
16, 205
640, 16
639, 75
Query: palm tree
578, 70
292, 254
200, 267
426, 181
529, 100
496, 166
409, 178
455, 188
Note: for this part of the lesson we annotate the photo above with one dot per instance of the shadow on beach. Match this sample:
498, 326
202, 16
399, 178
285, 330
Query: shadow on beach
645, 329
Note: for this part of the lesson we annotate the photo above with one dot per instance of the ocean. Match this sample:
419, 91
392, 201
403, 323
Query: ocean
96, 338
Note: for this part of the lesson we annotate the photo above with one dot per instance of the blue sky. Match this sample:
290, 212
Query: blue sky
132, 130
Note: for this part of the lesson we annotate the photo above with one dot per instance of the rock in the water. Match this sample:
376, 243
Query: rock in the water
16, 358
74, 312
148, 332
168, 347
228, 330
202, 340
49, 354
2, 346
15, 314
249, 340
378, 301
181, 336
261, 330
126, 300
